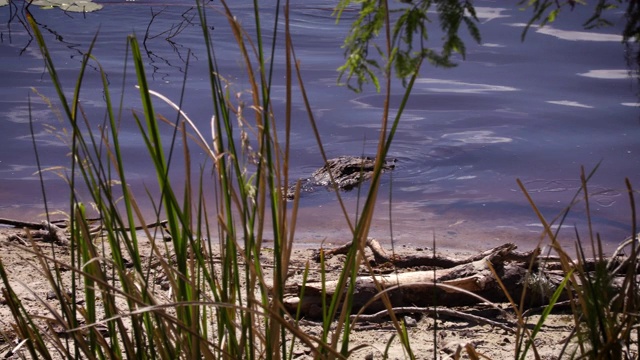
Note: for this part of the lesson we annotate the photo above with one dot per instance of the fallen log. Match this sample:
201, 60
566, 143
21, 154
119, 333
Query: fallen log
381, 257
491, 276
460, 285
44, 230
55, 231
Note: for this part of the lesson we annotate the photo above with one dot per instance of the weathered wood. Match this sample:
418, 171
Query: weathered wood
59, 235
458, 282
430, 260
383, 315
63, 224
451, 287
617, 263
45, 230
21, 224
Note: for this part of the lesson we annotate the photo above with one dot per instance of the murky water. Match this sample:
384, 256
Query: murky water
534, 111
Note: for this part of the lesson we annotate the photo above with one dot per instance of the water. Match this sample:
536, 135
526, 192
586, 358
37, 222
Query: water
535, 111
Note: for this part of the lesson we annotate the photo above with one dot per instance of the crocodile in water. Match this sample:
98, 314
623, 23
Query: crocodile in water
347, 171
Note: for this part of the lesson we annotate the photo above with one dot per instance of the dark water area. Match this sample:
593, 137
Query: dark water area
536, 111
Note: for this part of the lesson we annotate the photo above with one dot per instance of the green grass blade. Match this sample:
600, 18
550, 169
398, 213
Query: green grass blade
545, 314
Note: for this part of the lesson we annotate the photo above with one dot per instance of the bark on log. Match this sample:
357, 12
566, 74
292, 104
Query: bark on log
450, 287
431, 260
47, 231
54, 231
460, 282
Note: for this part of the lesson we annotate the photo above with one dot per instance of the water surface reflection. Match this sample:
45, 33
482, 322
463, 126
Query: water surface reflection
536, 111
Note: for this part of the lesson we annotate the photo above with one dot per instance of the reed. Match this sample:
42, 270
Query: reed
223, 302
603, 307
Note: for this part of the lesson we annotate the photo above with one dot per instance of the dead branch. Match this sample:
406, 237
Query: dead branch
424, 288
52, 233
433, 260
383, 315
59, 225
57, 234
21, 224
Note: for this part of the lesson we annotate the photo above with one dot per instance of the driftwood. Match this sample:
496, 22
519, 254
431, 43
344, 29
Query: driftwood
63, 224
436, 260
54, 231
45, 231
464, 284
382, 316
449, 282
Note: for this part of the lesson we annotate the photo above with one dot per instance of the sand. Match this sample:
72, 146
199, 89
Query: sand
430, 338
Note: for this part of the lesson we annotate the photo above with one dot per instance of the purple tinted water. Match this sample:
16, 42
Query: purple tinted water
534, 111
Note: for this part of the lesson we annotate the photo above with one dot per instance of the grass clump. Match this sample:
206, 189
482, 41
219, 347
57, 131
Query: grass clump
602, 291
222, 301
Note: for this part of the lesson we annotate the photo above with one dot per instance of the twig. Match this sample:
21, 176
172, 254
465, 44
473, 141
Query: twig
13, 351
57, 234
439, 261
21, 224
381, 316
559, 306
148, 226
18, 239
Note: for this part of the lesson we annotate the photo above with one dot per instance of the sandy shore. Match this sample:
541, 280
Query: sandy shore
440, 337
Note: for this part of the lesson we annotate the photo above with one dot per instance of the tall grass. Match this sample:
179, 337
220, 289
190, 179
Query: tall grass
603, 290
221, 304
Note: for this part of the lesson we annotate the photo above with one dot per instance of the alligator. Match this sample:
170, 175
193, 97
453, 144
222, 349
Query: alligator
347, 171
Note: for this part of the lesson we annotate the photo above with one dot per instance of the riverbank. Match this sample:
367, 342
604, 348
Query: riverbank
440, 336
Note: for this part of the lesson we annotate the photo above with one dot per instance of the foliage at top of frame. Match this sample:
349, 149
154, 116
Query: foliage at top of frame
546, 11
409, 33
408, 40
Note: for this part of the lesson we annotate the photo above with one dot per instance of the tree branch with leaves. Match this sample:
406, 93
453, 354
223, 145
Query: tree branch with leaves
413, 30
410, 38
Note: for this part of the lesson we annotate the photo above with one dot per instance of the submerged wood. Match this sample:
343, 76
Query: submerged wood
342, 173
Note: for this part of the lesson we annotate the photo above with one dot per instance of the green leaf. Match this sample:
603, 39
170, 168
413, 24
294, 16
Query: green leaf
552, 15
409, 38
